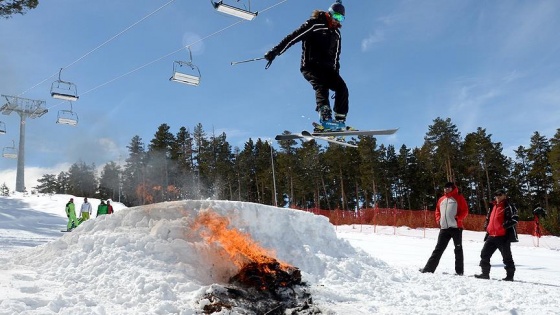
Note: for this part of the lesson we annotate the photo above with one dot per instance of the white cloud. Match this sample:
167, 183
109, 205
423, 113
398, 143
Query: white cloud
376, 37
32, 174
194, 42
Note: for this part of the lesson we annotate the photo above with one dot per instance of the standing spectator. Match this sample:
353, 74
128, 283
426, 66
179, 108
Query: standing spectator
85, 210
102, 209
500, 226
71, 214
451, 210
109, 207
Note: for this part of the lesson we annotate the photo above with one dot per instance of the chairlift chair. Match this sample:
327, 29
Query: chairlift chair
64, 90
10, 152
67, 117
2, 128
190, 77
245, 14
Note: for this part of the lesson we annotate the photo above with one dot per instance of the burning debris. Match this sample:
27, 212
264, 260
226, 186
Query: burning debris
267, 276
263, 285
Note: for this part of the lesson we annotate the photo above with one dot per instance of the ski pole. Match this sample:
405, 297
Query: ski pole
233, 63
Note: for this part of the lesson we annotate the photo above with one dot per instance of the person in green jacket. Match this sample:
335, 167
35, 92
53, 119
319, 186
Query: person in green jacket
71, 214
102, 209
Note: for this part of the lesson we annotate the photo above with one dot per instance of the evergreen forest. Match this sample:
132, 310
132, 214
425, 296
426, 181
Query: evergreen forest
198, 165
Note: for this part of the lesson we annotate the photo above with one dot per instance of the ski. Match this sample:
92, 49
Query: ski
346, 133
291, 136
306, 136
352, 132
328, 138
65, 231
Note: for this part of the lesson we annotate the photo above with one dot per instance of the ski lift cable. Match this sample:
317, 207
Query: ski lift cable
153, 61
98, 47
178, 50
120, 33
169, 54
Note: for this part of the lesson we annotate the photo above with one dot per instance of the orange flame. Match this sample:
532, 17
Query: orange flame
240, 247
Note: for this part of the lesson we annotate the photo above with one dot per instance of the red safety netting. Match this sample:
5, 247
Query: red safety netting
413, 219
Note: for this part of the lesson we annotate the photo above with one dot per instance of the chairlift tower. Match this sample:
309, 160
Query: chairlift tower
26, 108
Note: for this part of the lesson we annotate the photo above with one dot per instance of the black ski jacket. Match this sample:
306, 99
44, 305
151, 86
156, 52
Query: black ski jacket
510, 221
320, 43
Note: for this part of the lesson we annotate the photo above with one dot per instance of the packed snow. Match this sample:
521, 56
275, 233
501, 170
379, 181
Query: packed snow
149, 260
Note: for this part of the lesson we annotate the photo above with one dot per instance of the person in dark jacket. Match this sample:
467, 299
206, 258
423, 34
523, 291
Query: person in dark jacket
451, 211
321, 46
500, 226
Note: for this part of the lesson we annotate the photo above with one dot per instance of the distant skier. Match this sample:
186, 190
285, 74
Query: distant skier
85, 210
321, 45
71, 214
102, 209
109, 207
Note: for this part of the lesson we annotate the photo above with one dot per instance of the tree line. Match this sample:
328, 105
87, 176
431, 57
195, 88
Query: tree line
195, 165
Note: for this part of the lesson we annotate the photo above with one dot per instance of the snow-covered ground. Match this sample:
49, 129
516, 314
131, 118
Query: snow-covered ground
150, 260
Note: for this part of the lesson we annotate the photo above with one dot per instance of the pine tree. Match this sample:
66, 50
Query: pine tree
63, 180
133, 176
159, 163
485, 169
540, 173
82, 179
443, 142
183, 155
109, 181
47, 184
369, 170
11, 7
4, 190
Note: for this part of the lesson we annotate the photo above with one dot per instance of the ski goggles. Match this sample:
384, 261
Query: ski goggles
337, 16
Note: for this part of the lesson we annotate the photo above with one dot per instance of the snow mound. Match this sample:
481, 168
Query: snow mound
150, 260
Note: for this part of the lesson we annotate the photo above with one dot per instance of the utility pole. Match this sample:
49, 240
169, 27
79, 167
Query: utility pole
26, 108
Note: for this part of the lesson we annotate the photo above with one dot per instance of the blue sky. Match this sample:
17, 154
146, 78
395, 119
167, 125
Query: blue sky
489, 64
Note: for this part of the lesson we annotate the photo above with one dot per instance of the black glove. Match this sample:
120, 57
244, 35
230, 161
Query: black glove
269, 56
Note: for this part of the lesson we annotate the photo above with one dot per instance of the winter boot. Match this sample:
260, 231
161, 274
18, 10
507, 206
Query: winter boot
340, 117
325, 113
483, 275
509, 276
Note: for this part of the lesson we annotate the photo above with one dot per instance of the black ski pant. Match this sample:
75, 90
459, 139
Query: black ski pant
324, 80
501, 243
445, 235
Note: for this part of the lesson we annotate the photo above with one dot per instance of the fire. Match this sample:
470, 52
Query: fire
257, 267
240, 247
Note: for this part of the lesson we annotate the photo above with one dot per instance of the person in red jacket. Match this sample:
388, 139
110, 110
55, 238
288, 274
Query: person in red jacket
451, 210
109, 207
500, 226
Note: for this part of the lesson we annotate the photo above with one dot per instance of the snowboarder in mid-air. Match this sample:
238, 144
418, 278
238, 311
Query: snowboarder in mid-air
321, 45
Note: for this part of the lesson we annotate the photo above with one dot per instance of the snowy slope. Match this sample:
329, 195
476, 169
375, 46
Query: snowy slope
150, 260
